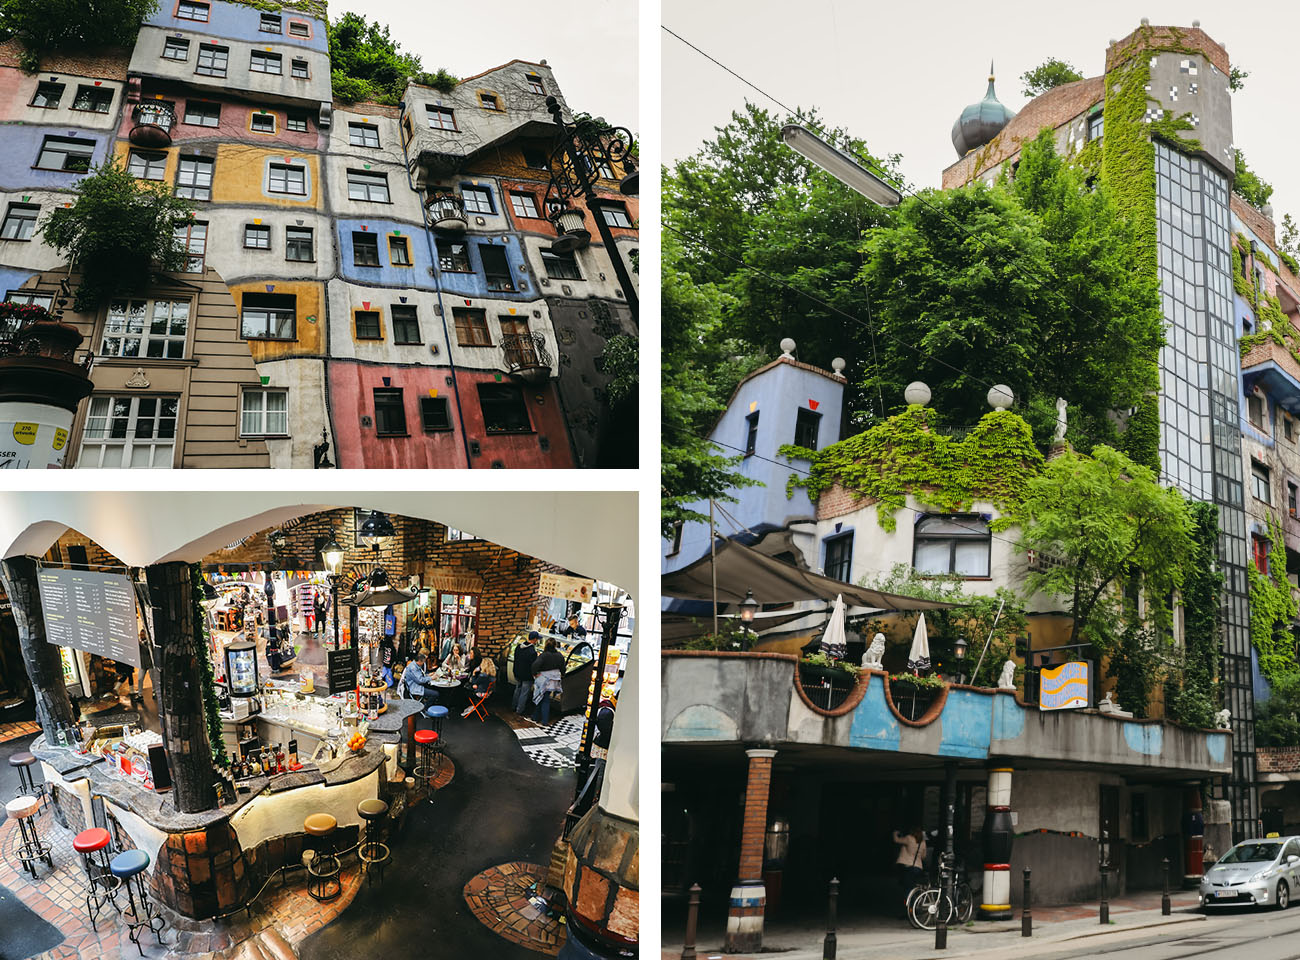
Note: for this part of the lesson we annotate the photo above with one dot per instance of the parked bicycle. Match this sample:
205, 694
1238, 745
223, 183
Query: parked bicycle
926, 901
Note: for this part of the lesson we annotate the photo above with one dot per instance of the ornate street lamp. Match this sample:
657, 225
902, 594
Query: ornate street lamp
332, 555
582, 151
748, 607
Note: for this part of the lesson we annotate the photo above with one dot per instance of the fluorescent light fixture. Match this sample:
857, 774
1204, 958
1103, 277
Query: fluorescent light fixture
839, 165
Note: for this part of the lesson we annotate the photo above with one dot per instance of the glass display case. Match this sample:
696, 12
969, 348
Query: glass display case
241, 669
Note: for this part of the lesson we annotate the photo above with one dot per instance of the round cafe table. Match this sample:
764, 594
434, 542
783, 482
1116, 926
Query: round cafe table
448, 694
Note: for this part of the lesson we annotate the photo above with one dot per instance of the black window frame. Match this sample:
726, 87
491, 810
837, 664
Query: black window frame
256, 231
374, 181
278, 302
802, 419
528, 152
96, 94
620, 211
448, 262
297, 121
212, 70
369, 242
10, 211
435, 415
751, 433
267, 57
176, 43
203, 116
299, 69
273, 20
195, 190
499, 279
404, 243
557, 265
297, 168
195, 5
535, 83
46, 87
471, 194
363, 129
150, 158
837, 554
498, 403
256, 115
1261, 478
374, 325
402, 316
53, 140
394, 404
295, 242
986, 536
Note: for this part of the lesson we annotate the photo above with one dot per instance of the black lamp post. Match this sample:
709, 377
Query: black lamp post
611, 614
332, 555
748, 607
959, 651
581, 150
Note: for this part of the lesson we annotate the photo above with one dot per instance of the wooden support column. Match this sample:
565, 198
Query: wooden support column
44, 668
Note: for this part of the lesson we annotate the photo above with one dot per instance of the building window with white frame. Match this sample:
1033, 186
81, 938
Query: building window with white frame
287, 179
137, 432
264, 412
142, 328
194, 178
952, 544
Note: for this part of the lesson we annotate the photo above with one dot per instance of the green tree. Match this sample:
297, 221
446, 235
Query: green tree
1106, 529
44, 26
1249, 185
1289, 244
702, 365
119, 232
1277, 720
366, 63
1027, 284
1048, 74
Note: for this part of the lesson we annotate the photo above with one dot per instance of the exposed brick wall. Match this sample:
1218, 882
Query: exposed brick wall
754, 827
1262, 225
105, 63
95, 554
1156, 37
837, 501
505, 579
1278, 759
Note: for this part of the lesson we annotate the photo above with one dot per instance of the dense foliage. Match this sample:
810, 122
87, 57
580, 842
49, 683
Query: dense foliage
1249, 184
1191, 691
1273, 610
119, 232
1277, 720
1048, 74
366, 63
47, 25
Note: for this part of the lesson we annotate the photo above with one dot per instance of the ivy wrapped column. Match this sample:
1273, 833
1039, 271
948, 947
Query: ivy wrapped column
53, 707
180, 701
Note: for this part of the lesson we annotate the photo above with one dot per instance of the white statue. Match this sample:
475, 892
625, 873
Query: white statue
871, 659
1107, 704
1223, 719
1008, 680
1059, 436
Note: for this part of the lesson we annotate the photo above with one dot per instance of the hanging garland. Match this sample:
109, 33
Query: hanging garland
207, 679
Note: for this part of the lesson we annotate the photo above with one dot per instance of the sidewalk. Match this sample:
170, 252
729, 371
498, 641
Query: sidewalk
888, 938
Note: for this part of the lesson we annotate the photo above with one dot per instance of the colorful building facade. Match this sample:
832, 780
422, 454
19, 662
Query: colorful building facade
360, 327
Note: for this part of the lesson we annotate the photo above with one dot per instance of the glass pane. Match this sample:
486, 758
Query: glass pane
113, 455
972, 558
141, 455
932, 556
960, 525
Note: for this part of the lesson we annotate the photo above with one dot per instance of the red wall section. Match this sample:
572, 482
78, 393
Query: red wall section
517, 449
351, 387
232, 127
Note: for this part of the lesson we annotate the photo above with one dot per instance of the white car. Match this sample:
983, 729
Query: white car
1255, 872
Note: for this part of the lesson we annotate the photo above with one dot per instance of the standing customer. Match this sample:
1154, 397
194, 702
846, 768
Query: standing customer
548, 674
525, 655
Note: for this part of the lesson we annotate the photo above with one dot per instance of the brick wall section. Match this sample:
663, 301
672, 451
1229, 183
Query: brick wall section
1261, 225
1055, 107
1264, 352
754, 828
1278, 759
1182, 37
106, 63
95, 554
837, 501
505, 579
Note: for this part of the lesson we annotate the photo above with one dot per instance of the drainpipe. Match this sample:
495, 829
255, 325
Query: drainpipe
437, 283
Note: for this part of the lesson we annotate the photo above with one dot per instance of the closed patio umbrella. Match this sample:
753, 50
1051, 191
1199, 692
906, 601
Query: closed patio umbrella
833, 639
918, 658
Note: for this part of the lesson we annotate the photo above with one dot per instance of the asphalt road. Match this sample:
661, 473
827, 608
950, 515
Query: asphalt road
1239, 935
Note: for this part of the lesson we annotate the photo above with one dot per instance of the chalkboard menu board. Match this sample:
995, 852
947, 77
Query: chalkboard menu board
342, 667
93, 612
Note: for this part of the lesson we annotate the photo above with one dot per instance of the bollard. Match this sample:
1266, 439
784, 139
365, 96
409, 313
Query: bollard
692, 919
1104, 905
1164, 900
828, 945
1026, 915
945, 902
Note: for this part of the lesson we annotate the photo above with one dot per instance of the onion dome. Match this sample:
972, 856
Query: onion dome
980, 122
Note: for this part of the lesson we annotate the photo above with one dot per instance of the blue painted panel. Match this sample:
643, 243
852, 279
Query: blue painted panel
22, 146
1008, 718
874, 724
1217, 744
234, 21
416, 276
1145, 738
475, 284
967, 724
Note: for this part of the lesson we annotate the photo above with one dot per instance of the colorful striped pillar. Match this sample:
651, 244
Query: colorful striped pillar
748, 896
996, 903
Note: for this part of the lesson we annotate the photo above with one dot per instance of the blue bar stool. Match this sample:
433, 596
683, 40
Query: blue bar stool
141, 918
436, 714
30, 848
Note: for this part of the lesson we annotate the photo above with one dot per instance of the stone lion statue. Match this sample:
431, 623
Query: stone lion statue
1008, 679
1223, 719
871, 659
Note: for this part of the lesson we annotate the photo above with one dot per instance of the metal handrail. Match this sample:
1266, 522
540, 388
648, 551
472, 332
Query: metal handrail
522, 351
155, 115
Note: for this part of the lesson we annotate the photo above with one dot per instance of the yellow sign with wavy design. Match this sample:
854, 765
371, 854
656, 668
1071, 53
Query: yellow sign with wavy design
1063, 687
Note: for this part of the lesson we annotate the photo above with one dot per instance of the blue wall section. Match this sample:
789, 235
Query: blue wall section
967, 724
776, 395
475, 284
235, 21
416, 276
11, 278
874, 724
22, 145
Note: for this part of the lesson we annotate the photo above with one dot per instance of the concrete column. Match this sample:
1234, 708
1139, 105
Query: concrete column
44, 668
996, 897
749, 896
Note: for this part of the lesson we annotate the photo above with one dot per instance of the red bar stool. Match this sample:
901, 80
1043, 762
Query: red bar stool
31, 848
93, 846
425, 770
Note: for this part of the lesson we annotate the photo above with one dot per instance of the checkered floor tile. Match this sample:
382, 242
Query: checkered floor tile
554, 746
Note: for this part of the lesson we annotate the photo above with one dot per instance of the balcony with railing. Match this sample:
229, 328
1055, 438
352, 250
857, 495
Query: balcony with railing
446, 211
153, 125
524, 355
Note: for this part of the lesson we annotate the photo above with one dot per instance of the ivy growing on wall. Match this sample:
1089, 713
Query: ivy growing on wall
1272, 609
207, 678
1271, 324
906, 454
1194, 699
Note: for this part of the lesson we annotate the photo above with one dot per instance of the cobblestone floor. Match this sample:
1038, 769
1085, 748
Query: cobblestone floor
58, 896
498, 897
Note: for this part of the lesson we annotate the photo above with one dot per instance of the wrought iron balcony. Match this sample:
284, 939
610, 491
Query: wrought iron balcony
524, 355
153, 125
447, 212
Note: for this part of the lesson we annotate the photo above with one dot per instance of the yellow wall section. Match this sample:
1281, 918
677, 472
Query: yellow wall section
311, 336
241, 170
122, 148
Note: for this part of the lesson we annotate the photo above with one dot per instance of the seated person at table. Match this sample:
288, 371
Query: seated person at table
481, 678
418, 682
453, 665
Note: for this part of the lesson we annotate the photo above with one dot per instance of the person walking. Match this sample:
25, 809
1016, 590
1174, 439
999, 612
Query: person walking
910, 863
525, 655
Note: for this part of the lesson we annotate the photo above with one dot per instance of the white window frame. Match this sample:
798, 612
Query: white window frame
94, 447
255, 418
123, 329
368, 183
286, 169
524, 205
360, 135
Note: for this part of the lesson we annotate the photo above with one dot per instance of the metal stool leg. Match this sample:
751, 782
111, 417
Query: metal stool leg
152, 921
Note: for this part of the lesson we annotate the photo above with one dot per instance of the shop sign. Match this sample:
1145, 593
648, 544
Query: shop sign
566, 588
342, 668
1063, 687
93, 612
33, 436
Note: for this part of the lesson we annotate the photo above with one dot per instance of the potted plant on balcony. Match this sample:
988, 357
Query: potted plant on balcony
825, 680
913, 694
